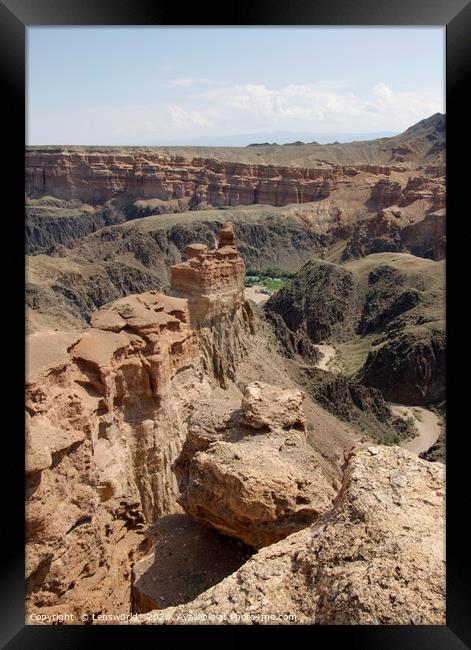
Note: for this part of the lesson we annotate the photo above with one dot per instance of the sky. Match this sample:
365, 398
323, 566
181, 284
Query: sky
154, 85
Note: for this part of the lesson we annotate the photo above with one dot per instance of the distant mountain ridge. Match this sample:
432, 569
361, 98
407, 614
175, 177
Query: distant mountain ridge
277, 137
422, 143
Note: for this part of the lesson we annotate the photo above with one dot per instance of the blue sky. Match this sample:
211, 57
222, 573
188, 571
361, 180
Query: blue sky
148, 85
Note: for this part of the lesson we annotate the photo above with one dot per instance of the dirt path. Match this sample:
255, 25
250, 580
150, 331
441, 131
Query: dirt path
328, 353
426, 423
254, 293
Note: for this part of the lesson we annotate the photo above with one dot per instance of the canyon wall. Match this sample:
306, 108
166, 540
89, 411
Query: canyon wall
107, 410
398, 298
97, 178
390, 230
106, 413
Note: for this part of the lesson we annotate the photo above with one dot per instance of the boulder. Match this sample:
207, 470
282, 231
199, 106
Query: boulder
250, 472
377, 557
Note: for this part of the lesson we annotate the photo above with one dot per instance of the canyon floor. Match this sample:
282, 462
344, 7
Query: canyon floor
207, 445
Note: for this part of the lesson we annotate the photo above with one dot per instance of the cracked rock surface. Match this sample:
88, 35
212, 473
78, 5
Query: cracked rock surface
249, 471
376, 557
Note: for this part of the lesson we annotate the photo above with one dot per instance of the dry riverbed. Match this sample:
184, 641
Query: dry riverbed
254, 293
328, 353
425, 422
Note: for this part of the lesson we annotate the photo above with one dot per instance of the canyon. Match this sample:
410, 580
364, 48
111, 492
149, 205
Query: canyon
190, 455
105, 223
125, 426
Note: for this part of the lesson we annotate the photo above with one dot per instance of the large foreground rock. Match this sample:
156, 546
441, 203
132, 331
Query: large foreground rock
249, 472
378, 556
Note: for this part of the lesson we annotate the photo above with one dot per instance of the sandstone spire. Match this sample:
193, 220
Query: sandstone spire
226, 235
212, 280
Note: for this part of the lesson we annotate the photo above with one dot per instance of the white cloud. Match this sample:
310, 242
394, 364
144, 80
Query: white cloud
180, 119
320, 107
381, 90
189, 82
242, 108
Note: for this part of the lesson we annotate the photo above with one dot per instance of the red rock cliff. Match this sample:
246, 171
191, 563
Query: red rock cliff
106, 416
95, 178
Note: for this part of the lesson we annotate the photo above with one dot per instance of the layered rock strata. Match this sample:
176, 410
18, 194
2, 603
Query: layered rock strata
223, 176
106, 418
249, 472
97, 178
376, 557
213, 283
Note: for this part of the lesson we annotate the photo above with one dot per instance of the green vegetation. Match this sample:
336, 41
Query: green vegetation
270, 273
269, 280
351, 355
127, 310
274, 284
389, 440
249, 281
410, 420
418, 415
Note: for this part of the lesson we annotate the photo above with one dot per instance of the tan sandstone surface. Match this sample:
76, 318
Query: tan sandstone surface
106, 412
249, 472
376, 557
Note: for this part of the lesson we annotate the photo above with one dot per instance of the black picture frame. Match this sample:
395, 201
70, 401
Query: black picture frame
455, 15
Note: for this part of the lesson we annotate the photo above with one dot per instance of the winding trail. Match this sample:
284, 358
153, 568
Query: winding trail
427, 425
426, 422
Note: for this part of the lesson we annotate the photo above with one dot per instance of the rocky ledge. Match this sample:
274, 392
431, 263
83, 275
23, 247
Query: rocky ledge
377, 556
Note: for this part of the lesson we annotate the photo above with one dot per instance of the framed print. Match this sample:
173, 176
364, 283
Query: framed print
240, 413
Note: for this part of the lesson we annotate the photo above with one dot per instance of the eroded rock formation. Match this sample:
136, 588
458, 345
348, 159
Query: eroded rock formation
376, 557
249, 472
212, 281
392, 230
97, 177
228, 176
106, 418
107, 409
386, 192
